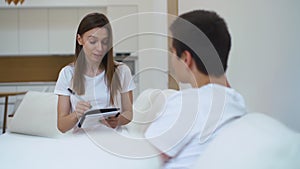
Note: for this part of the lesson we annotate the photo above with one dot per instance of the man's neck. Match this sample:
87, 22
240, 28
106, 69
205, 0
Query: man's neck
202, 80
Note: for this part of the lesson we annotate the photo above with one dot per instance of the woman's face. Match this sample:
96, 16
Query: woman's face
95, 44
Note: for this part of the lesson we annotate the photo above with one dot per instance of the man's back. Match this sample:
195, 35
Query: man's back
191, 119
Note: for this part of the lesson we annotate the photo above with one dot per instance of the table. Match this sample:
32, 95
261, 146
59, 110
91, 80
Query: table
6, 95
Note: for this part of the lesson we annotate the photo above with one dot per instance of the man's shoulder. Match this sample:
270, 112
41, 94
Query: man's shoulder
186, 93
204, 97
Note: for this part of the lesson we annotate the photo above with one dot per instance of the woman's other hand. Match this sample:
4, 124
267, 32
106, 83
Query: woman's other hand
111, 122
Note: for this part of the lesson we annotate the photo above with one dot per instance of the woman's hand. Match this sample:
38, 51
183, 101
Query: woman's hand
81, 107
111, 122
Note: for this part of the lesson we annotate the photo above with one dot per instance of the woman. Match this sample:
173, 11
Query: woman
94, 76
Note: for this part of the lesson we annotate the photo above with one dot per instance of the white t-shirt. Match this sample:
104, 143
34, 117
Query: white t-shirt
96, 90
191, 119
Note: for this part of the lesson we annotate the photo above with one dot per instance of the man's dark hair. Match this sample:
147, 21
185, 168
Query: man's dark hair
196, 32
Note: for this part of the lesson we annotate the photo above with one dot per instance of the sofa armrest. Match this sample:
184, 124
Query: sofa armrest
253, 141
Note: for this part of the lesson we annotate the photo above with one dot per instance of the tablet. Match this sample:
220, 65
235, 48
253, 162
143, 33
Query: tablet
101, 113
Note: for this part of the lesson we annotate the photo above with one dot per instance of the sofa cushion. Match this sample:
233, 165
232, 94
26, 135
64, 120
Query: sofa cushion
36, 115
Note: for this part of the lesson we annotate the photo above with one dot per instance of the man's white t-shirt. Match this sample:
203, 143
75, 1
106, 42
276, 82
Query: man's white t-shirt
190, 120
96, 90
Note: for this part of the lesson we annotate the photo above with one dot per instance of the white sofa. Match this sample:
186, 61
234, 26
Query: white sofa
254, 141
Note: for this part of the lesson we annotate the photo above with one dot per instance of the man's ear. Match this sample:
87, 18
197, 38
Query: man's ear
79, 39
187, 58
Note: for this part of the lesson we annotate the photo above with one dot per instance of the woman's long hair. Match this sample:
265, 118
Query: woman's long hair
91, 21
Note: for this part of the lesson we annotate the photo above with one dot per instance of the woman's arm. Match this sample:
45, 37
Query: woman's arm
67, 120
126, 115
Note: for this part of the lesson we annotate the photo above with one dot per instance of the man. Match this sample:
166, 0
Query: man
193, 117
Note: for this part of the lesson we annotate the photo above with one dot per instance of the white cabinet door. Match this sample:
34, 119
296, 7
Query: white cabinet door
63, 25
9, 44
82, 12
124, 23
38, 31
33, 31
62, 30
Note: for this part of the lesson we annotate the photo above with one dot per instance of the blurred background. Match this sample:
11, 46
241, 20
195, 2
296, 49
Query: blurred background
38, 37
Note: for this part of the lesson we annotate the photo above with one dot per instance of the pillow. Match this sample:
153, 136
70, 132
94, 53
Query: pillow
36, 115
255, 141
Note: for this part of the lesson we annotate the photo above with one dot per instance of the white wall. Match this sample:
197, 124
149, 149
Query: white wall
153, 54
264, 59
